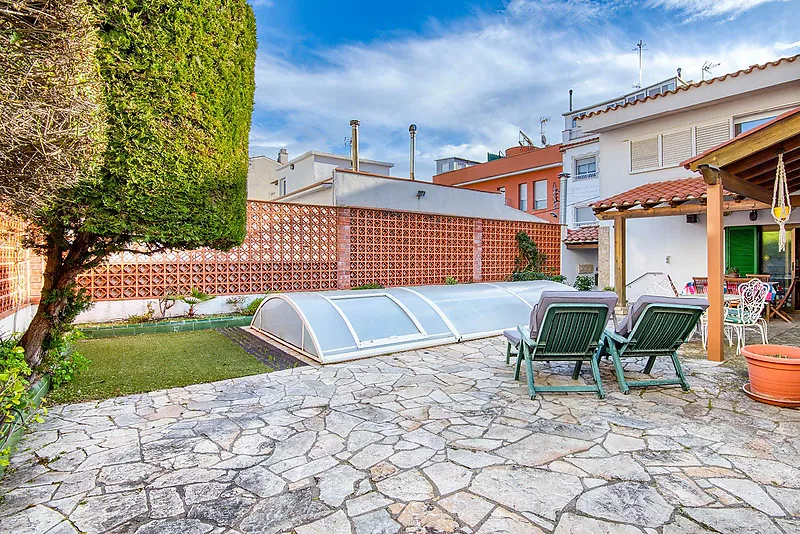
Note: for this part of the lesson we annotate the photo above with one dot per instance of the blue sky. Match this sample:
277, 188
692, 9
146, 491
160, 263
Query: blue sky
471, 74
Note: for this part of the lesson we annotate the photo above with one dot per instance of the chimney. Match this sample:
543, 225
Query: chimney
412, 130
570, 99
283, 156
354, 144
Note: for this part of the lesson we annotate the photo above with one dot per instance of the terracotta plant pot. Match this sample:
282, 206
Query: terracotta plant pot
773, 377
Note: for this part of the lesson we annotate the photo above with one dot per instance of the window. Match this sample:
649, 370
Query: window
460, 165
644, 154
282, 187
741, 126
444, 166
540, 195
710, 135
676, 147
585, 168
523, 197
584, 215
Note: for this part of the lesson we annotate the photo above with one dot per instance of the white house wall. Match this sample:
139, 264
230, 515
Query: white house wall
650, 241
365, 191
260, 175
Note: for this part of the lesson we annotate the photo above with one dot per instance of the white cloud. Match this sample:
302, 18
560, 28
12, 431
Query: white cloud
469, 89
787, 46
707, 9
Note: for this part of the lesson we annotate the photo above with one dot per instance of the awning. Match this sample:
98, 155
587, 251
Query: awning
583, 237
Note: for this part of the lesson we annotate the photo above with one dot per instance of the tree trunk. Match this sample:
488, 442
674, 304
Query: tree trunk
56, 279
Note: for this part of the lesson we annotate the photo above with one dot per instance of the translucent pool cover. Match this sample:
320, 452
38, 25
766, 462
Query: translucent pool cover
333, 326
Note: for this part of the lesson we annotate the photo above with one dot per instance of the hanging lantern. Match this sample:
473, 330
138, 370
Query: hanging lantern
781, 204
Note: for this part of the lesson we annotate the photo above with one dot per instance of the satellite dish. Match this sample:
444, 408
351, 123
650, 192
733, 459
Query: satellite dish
524, 139
544, 140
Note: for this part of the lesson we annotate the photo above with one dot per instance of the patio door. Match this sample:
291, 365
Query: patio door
779, 265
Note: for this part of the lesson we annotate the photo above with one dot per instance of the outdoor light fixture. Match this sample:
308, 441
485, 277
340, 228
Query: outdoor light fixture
691, 218
420, 194
753, 215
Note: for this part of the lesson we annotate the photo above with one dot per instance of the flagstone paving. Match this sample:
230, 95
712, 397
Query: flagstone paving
432, 441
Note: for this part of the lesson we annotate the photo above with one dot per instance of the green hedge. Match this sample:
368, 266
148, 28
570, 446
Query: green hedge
179, 78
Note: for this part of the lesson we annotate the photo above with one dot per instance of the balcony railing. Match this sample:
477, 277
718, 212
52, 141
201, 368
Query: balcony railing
585, 176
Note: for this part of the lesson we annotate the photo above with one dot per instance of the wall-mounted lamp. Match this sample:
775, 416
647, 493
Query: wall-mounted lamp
754, 215
291, 166
420, 194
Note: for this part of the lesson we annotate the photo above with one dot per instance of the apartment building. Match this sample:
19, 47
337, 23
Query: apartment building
527, 178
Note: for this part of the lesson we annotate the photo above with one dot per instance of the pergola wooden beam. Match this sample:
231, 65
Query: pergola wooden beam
683, 209
730, 182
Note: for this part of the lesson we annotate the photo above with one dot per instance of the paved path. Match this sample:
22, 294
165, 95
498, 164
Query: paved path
433, 441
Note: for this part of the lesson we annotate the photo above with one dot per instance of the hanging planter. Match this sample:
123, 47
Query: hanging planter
774, 372
781, 204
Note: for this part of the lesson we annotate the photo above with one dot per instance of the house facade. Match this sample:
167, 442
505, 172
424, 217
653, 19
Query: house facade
581, 161
527, 178
646, 140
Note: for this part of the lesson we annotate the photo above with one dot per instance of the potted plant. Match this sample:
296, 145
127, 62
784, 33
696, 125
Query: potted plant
774, 372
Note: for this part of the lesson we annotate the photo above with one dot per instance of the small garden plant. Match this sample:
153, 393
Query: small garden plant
530, 263
370, 285
584, 283
450, 281
194, 298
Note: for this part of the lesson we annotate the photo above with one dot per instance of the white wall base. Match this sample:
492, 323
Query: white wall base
116, 310
17, 322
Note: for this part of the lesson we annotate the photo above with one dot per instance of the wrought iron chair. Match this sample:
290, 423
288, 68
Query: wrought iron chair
564, 326
747, 315
656, 327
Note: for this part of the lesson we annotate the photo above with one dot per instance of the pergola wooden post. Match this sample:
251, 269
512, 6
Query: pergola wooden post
620, 260
716, 263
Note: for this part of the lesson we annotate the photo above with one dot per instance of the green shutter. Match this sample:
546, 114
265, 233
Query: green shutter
741, 249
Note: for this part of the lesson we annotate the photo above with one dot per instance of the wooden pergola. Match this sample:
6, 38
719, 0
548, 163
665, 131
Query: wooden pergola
737, 175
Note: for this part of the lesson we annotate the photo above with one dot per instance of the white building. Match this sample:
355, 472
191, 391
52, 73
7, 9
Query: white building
645, 140
269, 179
581, 180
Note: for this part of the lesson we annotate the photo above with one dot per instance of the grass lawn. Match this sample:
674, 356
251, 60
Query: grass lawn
148, 362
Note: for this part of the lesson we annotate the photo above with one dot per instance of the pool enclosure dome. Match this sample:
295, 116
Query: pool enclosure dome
334, 326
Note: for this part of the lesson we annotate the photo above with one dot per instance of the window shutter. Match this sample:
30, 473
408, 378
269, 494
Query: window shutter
741, 249
644, 154
711, 135
677, 147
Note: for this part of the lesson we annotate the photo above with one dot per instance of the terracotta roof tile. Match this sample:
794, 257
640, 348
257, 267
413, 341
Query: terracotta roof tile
686, 87
584, 234
656, 193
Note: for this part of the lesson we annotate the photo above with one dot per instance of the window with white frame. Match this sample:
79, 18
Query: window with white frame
282, 187
708, 136
523, 197
743, 124
676, 147
585, 168
540, 195
584, 215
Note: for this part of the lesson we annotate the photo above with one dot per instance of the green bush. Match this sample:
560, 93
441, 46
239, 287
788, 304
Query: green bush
608, 288
584, 283
450, 281
251, 308
371, 285
63, 361
14, 396
529, 276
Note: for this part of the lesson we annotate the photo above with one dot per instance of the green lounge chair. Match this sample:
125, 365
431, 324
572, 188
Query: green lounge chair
656, 326
564, 326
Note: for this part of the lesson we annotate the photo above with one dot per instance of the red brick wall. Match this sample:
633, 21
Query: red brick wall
291, 247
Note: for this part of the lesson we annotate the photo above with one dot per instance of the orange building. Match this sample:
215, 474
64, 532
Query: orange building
527, 176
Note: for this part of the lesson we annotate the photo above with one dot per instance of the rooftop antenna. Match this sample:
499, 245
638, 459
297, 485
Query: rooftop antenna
640, 47
542, 122
707, 66
524, 140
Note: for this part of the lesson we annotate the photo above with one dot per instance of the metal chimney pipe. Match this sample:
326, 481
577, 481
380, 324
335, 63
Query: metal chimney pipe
354, 144
412, 130
570, 99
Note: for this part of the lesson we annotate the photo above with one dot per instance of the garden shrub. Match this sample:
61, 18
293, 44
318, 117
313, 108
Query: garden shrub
370, 285
528, 276
530, 263
15, 398
584, 283
253, 306
450, 281
63, 361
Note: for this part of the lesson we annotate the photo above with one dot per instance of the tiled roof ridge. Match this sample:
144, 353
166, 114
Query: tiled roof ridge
583, 234
688, 86
680, 189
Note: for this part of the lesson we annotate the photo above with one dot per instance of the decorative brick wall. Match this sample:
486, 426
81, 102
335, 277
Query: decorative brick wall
291, 247
20, 270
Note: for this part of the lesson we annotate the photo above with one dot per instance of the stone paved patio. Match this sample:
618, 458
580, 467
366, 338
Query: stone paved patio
433, 441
